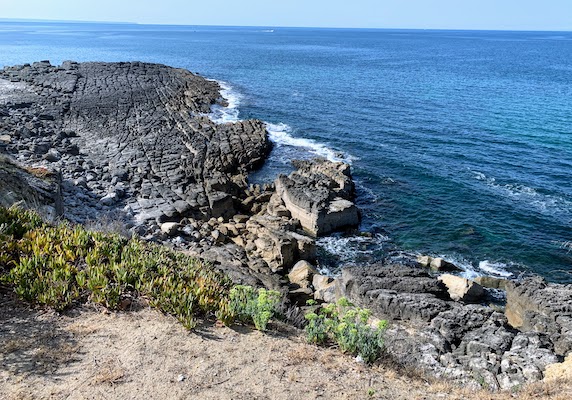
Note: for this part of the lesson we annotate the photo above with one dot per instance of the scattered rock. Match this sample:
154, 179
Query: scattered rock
170, 228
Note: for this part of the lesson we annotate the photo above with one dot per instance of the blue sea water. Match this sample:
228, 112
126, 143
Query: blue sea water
460, 141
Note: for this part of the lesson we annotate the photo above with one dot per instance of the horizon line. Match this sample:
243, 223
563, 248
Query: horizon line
30, 20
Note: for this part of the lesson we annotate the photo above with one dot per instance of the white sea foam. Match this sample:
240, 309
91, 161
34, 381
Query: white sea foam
350, 250
543, 203
220, 114
280, 134
494, 268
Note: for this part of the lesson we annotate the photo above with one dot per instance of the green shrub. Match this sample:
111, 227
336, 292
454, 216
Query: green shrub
347, 326
316, 329
59, 265
258, 306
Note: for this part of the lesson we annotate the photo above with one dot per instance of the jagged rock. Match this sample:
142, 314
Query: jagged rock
233, 261
462, 289
526, 360
276, 243
393, 291
319, 195
302, 274
534, 305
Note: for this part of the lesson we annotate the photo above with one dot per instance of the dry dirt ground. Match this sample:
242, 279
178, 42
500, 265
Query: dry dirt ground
142, 354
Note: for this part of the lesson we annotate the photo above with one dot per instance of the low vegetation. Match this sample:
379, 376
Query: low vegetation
249, 304
347, 326
62, 265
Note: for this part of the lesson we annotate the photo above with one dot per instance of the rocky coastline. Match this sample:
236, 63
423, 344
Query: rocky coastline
132, 144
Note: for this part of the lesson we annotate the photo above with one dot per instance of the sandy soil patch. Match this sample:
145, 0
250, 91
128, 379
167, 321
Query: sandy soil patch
143, 354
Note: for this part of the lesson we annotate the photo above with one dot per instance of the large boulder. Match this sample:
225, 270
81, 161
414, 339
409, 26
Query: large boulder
319, 194
462, 289
302, 274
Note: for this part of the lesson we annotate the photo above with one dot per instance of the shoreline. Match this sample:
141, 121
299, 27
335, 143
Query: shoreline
183, 182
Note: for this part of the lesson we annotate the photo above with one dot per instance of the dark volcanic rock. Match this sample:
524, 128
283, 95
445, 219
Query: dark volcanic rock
142, 124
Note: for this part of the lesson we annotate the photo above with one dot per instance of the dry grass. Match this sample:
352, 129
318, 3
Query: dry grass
109, 372
143, 354
39, 172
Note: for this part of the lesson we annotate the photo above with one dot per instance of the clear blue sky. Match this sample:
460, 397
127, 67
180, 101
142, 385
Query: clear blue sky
439, 14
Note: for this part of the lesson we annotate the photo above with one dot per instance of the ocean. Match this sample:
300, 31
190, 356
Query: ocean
460, 141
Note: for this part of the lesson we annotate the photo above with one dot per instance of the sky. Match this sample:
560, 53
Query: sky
413, 14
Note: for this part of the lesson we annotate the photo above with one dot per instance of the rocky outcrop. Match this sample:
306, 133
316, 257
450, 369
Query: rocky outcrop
319, 194
534, 305
129, 138
473, 343
394, 291
32, 188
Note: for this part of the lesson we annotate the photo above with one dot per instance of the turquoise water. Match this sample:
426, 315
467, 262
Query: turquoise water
460, 142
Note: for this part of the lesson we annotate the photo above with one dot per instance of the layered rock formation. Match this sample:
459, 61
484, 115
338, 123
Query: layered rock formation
435, 329
134, 145
132, 141
129, 137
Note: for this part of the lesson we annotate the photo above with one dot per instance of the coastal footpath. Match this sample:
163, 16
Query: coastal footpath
130, 146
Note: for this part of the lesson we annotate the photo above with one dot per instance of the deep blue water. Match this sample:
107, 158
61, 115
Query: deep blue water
460, 141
